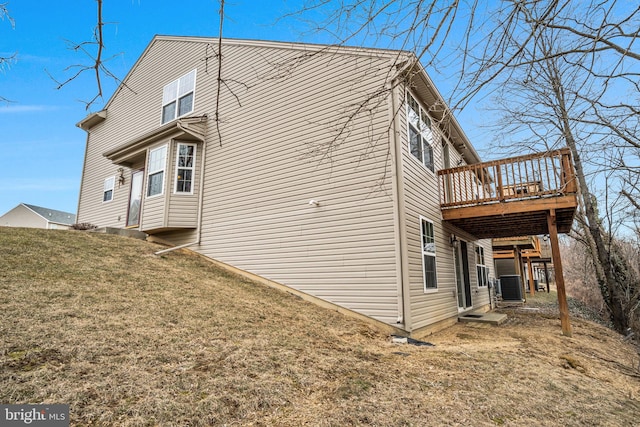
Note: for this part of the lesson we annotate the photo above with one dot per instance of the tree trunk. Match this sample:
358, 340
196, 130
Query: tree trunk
615, 276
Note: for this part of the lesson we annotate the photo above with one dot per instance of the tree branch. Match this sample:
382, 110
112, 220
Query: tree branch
97, 63
219, 79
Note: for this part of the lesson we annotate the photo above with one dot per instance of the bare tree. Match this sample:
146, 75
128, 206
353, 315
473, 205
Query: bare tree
93, 50
558, 90
580, 276
563, 72
6, 61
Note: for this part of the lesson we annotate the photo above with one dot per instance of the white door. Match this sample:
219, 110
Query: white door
135, 198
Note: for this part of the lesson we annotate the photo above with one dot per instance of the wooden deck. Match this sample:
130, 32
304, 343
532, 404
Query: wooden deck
531, 243
511, 197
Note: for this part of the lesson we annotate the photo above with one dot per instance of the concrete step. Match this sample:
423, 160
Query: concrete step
479, 317
135, 234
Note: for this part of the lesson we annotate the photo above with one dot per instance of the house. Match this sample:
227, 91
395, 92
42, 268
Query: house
25, 215
315, 167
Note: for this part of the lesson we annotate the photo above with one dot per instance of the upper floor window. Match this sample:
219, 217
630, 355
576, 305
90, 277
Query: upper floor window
420, 133
157, 162
177, 97
483, 277
185, 164
107, 192
428, 254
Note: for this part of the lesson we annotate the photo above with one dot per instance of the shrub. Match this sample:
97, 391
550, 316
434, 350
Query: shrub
83, 226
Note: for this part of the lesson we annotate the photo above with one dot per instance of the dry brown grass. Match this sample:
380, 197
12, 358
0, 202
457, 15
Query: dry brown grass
129, 338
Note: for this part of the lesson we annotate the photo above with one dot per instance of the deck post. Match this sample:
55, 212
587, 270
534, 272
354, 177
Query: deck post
546, 276
499, 190
557, 263
517, 259
532, 289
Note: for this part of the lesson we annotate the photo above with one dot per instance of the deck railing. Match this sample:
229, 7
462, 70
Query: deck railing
518, 178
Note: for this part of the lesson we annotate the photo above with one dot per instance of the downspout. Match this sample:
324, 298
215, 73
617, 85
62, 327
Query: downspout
404, 317
200, 200
175, 248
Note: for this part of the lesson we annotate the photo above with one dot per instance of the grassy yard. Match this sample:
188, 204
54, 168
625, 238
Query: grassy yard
129, 338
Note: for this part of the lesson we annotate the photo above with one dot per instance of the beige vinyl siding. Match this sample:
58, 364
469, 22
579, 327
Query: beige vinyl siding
154, 210
422, 198
260, 177
182, 211
256, 211
133, 111
178, 237
91, 208
153, 213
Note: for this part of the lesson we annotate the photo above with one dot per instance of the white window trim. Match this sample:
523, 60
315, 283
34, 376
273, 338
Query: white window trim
151, 172
431, 143
423, 253
483, 266
193, 169
177, 98
106, 187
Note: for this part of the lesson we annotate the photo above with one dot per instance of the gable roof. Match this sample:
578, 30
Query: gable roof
404, 62
307, 47
52, 215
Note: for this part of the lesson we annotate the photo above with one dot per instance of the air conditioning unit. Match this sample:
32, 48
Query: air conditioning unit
511, 288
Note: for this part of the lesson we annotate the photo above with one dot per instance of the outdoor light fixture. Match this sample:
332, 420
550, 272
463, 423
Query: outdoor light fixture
120, 176
454, 241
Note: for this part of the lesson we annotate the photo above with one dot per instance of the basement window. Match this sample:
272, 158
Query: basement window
177, 97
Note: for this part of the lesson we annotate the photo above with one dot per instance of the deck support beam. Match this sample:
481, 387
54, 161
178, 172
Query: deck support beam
557, 263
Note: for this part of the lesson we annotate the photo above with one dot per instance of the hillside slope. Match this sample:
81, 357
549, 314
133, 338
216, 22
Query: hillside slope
129, 338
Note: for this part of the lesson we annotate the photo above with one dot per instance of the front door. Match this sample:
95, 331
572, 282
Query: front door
463, 281
135, 199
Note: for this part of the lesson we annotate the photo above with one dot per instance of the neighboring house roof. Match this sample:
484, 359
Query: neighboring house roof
52, 215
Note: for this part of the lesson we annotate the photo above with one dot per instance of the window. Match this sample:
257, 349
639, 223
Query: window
185, 163
420, 133
428, 255
157, 160
177, 97
109, 185
483, 277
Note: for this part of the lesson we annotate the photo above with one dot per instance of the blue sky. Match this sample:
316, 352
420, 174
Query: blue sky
42, 149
